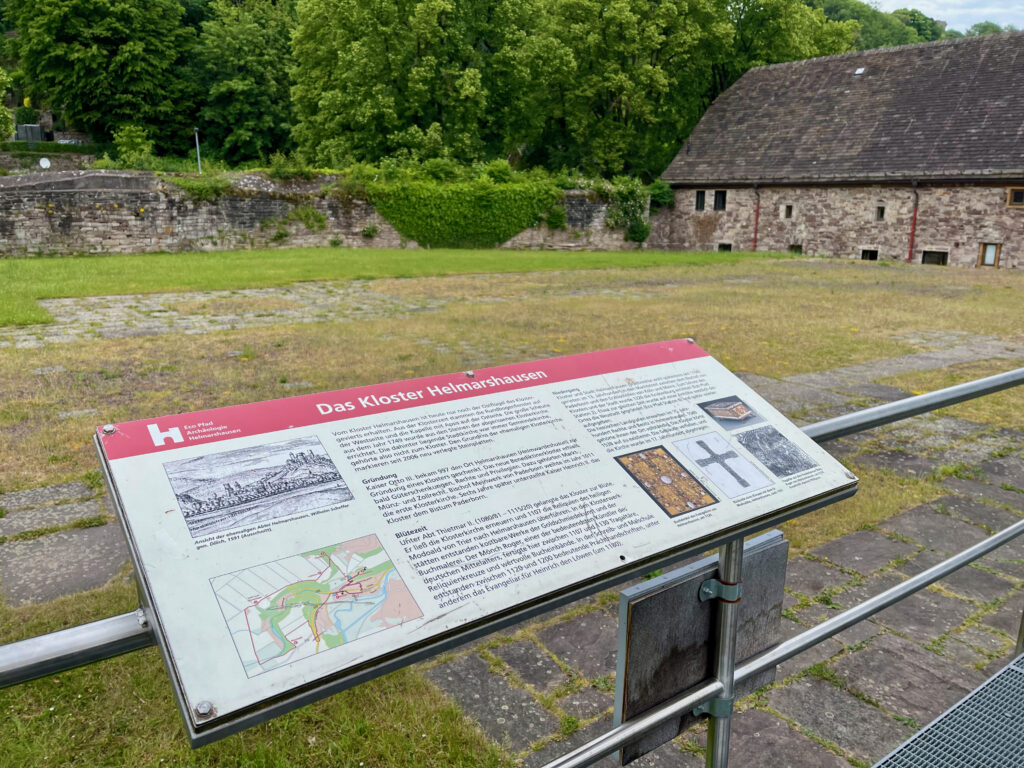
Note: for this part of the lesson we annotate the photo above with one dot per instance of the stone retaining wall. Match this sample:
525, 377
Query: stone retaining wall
73, 212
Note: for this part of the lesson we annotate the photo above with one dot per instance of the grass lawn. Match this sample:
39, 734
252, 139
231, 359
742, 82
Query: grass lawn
23, 281
772, 317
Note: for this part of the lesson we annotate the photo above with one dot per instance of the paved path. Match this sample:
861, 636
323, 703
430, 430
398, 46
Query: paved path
544, 687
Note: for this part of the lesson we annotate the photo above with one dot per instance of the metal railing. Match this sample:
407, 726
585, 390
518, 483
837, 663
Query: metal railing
70, 648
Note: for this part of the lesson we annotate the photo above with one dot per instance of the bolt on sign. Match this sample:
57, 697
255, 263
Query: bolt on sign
292, 548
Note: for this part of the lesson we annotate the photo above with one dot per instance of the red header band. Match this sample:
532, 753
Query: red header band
137, 438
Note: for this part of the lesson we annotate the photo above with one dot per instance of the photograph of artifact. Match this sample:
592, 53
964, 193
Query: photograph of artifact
666, 481
730, 412
774, 451
731, 473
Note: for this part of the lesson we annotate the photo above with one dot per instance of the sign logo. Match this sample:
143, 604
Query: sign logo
159, 438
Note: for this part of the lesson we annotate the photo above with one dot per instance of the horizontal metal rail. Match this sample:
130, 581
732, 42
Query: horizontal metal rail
60, 651
869, 418
615, 739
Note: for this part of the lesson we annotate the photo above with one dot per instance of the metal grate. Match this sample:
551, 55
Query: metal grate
983, 730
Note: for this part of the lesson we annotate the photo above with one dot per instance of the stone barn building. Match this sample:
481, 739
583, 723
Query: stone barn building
913, 153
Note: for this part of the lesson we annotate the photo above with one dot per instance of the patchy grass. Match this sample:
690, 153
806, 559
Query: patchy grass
1001, 409
772, 317
24, 281
881, 495
121, 712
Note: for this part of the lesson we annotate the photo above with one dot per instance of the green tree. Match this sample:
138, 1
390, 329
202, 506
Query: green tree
103, 62
774, 31
6, 123
987, 28
242, 61
877, 28
605, 87
380, 77
926, 27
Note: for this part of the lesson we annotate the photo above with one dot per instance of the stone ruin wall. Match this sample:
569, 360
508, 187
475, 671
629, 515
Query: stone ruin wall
76, 212
840, 222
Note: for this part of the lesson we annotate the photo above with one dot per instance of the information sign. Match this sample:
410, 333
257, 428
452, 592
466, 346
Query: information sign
286, 544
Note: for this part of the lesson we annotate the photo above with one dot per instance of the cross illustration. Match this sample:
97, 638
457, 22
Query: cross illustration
720, 459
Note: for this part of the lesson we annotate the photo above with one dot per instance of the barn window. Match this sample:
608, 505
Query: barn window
787, 212
880, 213
725, 246
938, 258
700, 200
719, 199
1015, 197
988, 254
869, 254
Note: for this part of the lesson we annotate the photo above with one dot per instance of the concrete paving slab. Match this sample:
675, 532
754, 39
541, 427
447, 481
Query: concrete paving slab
925, 615
963, 654
880, 392
829, 713
586, 703
533, 664
977, 490
1008, 470
587, 643
969, 582
809, 577
971, 510
1007, 617
982, 638
864, 551
508, 716
813, 655
897, 461
666, 756
905, 679
47, 494
934, 530
760, 738
34, 518
60, 564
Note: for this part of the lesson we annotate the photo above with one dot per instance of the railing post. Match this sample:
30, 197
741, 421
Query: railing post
1020, 636
730, 572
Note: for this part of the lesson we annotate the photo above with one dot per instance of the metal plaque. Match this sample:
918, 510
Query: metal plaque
667, 634
291, 548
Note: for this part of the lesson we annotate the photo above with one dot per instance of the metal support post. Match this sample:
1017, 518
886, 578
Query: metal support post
730, 572
1020, 636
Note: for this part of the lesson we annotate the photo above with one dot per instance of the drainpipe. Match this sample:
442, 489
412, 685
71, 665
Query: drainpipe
757, 212
913, 225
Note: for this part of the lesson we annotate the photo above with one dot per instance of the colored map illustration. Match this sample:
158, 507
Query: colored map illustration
289, 609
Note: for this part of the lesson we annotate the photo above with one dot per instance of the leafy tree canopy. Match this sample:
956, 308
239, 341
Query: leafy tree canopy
104, 63
242, 63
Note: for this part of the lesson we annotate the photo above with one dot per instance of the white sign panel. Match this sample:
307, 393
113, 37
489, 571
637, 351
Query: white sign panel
287, 542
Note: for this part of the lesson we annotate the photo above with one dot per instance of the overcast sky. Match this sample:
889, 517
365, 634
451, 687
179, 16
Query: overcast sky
961, 14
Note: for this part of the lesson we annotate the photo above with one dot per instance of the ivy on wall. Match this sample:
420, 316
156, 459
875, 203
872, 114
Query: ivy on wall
465, 214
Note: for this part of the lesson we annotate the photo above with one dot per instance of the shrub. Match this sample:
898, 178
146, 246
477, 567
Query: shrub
370, 232
556, 217
309, 216
465, 214
283, 168
201, 188
661, 194
26, 116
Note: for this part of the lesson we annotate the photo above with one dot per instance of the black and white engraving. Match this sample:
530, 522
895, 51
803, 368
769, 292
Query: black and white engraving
774, 451
251, 485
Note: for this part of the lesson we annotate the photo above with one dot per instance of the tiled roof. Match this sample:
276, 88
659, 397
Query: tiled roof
949, 109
